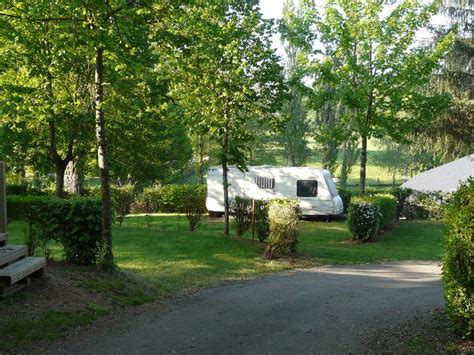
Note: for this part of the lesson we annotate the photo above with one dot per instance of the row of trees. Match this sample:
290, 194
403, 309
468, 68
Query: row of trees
364, 73
142, 84
129, 79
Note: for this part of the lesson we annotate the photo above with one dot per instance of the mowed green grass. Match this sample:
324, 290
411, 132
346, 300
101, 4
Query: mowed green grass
161, 251
329, 243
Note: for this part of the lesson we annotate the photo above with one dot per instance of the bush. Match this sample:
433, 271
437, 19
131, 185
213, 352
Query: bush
283, 216
427, 205
262, 224
345, 195
145, 202
458, 263
387, 205
363, 220
75, 223
123, 197
194, 209
23, 208
17, 189
241, 207
23, 190
167, 198
401, 195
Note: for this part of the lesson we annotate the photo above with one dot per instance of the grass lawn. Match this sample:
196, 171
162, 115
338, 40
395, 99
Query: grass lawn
161, 251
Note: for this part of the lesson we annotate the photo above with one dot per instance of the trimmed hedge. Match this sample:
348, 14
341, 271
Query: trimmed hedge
283, 216
167, 198
387, 205
24, 189
24, 208
75, 223
458, 263
363, 220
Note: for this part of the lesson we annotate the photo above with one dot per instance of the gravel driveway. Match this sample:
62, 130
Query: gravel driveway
330, 310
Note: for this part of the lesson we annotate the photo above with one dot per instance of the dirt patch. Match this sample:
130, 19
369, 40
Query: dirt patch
425, 333
57, 289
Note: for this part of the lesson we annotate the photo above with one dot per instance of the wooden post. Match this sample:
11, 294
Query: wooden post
3, 206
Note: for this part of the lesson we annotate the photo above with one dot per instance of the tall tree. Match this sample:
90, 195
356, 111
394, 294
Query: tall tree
451, 134
46, 97
229, 77
294, 135
103, 32
375, 70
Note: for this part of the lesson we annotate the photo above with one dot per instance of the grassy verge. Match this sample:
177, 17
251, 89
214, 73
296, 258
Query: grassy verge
158, 256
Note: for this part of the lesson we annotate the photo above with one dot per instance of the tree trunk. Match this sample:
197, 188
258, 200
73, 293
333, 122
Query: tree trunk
345, 166
103, 160
201, 159
73, 178
60, 169
363, 164
225, 182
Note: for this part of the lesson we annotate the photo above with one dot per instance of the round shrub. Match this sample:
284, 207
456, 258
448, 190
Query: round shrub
123, 197
241, 207
363, 220
283, 216
458, 263
193, 208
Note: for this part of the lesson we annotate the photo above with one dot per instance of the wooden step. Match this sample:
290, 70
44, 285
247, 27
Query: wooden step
3, 237
10, 253
21, 269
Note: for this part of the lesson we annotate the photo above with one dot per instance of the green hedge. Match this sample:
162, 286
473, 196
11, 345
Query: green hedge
23, 190
387, 207
458, 263
75, 223
363, 220
24, 208
167, 198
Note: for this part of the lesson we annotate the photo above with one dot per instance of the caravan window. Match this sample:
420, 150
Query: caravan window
264, 182
306, 188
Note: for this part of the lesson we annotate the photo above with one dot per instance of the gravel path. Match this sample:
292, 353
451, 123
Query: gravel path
330, 310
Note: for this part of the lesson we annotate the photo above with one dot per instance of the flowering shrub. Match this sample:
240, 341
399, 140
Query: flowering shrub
363, 220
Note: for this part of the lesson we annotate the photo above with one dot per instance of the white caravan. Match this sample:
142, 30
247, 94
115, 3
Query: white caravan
313, 187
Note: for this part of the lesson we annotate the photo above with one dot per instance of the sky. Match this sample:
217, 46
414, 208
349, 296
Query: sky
274, 9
